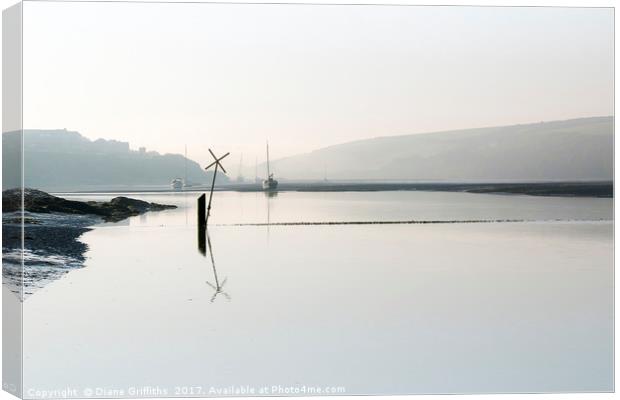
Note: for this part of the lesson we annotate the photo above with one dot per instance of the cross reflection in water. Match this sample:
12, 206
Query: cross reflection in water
204, 241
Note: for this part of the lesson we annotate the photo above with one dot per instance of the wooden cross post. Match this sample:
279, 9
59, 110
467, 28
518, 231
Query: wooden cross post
217, 164
202, 225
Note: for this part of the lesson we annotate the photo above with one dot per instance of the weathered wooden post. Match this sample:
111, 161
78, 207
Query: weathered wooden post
211, 193
202, 225
204, 210
217, 164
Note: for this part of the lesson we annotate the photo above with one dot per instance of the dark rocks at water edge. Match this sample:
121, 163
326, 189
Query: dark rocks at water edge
52, 227
37, 201
50, 248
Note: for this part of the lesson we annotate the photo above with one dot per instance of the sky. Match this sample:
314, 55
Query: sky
229, 77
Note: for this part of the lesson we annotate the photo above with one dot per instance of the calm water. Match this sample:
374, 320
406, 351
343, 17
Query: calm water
374, 309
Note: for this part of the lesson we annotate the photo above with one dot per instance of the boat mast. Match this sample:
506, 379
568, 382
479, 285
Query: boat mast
185, 177
268, 172
241, 166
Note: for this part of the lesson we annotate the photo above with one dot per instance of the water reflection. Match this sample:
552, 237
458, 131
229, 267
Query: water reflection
269, 195
474, 312
204, 242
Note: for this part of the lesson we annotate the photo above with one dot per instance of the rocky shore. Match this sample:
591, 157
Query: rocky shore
37, 201
52, 228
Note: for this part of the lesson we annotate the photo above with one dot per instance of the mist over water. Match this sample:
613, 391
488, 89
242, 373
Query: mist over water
377, 309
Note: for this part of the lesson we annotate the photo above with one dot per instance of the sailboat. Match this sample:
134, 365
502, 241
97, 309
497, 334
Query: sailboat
269, 183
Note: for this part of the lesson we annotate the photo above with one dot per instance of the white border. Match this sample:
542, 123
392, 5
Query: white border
553, 3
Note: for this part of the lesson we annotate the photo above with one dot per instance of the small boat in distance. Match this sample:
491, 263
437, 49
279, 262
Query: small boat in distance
269, 183
177, 184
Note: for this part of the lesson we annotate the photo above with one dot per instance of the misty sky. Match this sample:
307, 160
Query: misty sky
230, 76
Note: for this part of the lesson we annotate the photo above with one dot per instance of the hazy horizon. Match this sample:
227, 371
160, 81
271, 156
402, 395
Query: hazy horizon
305, 76
567, 150
135, 146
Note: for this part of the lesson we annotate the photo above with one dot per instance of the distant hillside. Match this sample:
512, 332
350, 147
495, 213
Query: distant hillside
57, 160
578, 149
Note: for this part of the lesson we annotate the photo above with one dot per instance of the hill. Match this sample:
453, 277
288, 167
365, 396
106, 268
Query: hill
571, 150
61, 160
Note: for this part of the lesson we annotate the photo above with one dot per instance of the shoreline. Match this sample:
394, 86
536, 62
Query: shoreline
51, 229
53, 226
597, 189
51, 248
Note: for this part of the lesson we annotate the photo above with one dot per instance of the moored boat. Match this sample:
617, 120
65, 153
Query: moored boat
270, 183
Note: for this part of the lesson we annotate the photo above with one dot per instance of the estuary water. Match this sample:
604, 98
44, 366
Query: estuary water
344, 309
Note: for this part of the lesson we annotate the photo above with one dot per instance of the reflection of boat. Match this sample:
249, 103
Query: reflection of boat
177, 184
269, 183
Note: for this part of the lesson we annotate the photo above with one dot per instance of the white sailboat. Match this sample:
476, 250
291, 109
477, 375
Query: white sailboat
269, 183
177, 184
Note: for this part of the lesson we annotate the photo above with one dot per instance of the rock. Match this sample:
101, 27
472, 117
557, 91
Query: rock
120, 208
117, 209
51, 230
